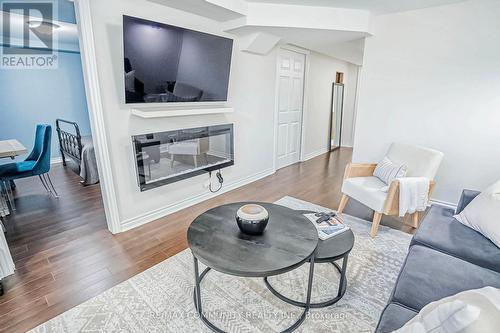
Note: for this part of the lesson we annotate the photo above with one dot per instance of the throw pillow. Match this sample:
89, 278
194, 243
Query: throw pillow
387, 171
469, 311
129, 81
483, 212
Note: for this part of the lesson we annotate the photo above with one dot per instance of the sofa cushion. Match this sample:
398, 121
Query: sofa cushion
428, 275
441, 231
481, 214
465, 199
367, 190
394, 317
469, 311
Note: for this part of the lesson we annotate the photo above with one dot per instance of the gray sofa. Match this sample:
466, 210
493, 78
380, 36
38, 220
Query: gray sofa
445, 257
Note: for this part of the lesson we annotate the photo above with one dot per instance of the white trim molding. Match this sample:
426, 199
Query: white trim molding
443, 203
305, 103
314, 154
356, 103
294, 48
96, 115
172, 208
56, 160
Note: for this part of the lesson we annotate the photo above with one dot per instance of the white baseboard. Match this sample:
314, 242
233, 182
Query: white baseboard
56, 160
444, 203
172, 208
314, 154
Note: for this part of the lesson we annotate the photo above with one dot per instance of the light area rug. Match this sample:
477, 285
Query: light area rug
160, 299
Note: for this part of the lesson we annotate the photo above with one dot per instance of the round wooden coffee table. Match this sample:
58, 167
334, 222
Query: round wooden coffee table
289, 241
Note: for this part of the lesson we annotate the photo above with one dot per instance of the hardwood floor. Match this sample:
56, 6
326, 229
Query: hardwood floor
64, 253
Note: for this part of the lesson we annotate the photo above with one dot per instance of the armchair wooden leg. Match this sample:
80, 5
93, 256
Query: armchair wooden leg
376, 221
343, 202
414, 220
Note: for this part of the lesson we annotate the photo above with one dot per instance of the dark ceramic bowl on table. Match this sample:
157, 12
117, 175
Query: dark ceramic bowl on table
252, 219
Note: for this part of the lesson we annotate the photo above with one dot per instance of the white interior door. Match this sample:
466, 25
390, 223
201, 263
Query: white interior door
290, 101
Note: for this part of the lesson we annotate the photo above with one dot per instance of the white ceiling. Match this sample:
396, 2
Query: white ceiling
374, 6
308, 27
310, 38
202, 8
344, 45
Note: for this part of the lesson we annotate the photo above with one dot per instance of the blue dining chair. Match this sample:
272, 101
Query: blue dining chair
36, 164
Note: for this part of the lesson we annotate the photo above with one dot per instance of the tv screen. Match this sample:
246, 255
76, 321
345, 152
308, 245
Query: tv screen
169, 64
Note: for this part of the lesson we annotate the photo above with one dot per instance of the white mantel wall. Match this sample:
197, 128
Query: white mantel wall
432, 77
251, 93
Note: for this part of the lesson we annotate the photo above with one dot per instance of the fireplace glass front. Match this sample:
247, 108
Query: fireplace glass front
166, 157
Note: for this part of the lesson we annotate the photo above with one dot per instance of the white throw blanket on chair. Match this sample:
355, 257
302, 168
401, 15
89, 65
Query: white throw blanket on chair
413, 194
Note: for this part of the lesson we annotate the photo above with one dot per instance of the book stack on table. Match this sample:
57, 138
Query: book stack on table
328, 224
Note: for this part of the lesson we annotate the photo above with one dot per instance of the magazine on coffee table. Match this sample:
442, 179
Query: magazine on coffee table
329, 226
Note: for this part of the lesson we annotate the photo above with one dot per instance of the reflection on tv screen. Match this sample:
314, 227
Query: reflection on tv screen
165, 64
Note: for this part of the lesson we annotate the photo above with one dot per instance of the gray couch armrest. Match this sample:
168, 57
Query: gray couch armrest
465, 199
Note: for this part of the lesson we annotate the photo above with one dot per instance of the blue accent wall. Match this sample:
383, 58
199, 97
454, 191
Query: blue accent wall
32, 96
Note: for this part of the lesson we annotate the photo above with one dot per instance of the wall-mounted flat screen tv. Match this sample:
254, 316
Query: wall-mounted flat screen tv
169, 64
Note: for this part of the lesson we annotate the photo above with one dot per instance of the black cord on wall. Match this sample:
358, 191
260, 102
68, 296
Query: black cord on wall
219, 177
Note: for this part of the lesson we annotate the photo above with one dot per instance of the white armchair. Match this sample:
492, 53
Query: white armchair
360, 184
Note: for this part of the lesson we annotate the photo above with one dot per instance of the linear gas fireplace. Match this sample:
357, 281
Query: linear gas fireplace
166, 157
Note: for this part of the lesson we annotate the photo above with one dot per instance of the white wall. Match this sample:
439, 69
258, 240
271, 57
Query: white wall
322, 71
432, 77
350, 95
251, 93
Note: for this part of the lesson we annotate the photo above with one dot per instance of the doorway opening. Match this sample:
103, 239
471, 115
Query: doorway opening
50, 196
